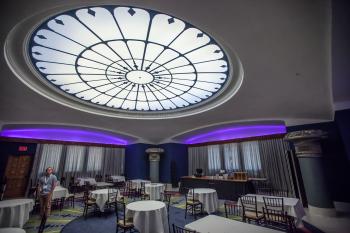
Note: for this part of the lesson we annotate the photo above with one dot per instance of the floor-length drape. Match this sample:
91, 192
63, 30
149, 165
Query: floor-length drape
275, 163
198, 158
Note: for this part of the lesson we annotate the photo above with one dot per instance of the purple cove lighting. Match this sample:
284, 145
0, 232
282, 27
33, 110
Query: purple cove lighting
70, 135
237, 132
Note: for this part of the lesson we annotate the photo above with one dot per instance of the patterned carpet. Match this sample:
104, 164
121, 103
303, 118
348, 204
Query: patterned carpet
58, 221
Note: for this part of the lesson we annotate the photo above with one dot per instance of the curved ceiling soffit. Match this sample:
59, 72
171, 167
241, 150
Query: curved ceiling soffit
30, 125
183, 136
16, 55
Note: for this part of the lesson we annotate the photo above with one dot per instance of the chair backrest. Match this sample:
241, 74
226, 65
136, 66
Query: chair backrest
143, 189
249, 204
121, 211
279, 220
112, 194
63, 181
166, 197
177, 229
86, 195
274, 203
232, 210
2, 191
190, 195
281, 193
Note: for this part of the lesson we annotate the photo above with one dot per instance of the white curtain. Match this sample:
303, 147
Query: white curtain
251, 157
95, 158
198, 158
231, 157
214, 161
75, 157
50, 157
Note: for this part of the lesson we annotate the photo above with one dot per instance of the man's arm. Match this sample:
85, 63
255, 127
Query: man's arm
53, 186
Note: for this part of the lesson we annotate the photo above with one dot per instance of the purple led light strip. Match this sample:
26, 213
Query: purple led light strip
71, 135
237, 132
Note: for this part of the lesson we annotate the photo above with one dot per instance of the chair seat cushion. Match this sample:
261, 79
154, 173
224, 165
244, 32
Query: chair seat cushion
253, 215
128, 223
195, 202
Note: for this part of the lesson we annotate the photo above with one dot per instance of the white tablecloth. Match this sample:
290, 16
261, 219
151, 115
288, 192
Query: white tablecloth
149, 216
12, 230
60, 192
15, 212
208, 197
293, 206
103, 184
154, 190
81, 181
101, 197
217, 224
137, 183
118, 178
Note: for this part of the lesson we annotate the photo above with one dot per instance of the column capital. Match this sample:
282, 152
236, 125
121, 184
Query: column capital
307, 142
154, 153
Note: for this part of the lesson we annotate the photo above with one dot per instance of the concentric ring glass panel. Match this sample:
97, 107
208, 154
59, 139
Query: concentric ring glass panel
129, 58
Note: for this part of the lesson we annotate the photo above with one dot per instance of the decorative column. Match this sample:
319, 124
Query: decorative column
154, 158
308, 149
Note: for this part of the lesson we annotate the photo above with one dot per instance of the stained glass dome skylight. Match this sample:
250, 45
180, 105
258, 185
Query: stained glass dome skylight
129, 59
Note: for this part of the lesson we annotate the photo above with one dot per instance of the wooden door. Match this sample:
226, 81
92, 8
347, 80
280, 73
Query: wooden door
17, 173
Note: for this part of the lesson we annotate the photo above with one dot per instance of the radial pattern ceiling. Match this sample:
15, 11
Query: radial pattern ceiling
128, 58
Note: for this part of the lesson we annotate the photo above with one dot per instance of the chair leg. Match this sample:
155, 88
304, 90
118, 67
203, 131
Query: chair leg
186, 211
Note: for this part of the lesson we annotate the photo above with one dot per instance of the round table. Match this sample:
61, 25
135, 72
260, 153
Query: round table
149, 216
208, 197
137, 183
101, 197
60, 192
12, 230
82, 180
154, 190
15, 212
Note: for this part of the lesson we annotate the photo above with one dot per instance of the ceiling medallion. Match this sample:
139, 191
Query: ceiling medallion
129, 59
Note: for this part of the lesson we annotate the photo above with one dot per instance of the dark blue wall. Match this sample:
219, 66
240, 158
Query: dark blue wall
342, 119
335, 161
137, 163
173, 152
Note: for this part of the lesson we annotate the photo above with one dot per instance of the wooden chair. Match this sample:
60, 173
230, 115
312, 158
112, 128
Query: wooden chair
177, 229
98, 178
129, 191
63, 181
279, 220
281, 193
88, 203
142, 192
232, 210
250, 209
274, 203
193, 205
124, 223
112, 198
166, 198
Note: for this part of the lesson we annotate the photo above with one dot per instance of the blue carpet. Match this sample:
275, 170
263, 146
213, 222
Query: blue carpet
106, 223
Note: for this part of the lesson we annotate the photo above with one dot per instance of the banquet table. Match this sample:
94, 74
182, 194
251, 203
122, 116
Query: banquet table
217, 224
154, 190
293, 206
82, 180
118, 178
208, 197
60, 192
15, 212
11, 230
137, 183
101, 197
149, 216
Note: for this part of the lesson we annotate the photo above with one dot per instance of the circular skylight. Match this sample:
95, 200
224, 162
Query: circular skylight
129, 59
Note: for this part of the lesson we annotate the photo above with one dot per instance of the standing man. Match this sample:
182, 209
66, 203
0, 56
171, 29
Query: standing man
47, 184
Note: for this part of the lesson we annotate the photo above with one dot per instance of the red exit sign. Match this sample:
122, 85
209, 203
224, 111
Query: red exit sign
22, 148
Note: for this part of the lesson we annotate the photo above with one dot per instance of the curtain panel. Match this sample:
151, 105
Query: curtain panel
77, 161
260, 159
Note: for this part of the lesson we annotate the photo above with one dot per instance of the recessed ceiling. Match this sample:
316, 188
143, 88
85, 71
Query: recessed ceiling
130, 59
